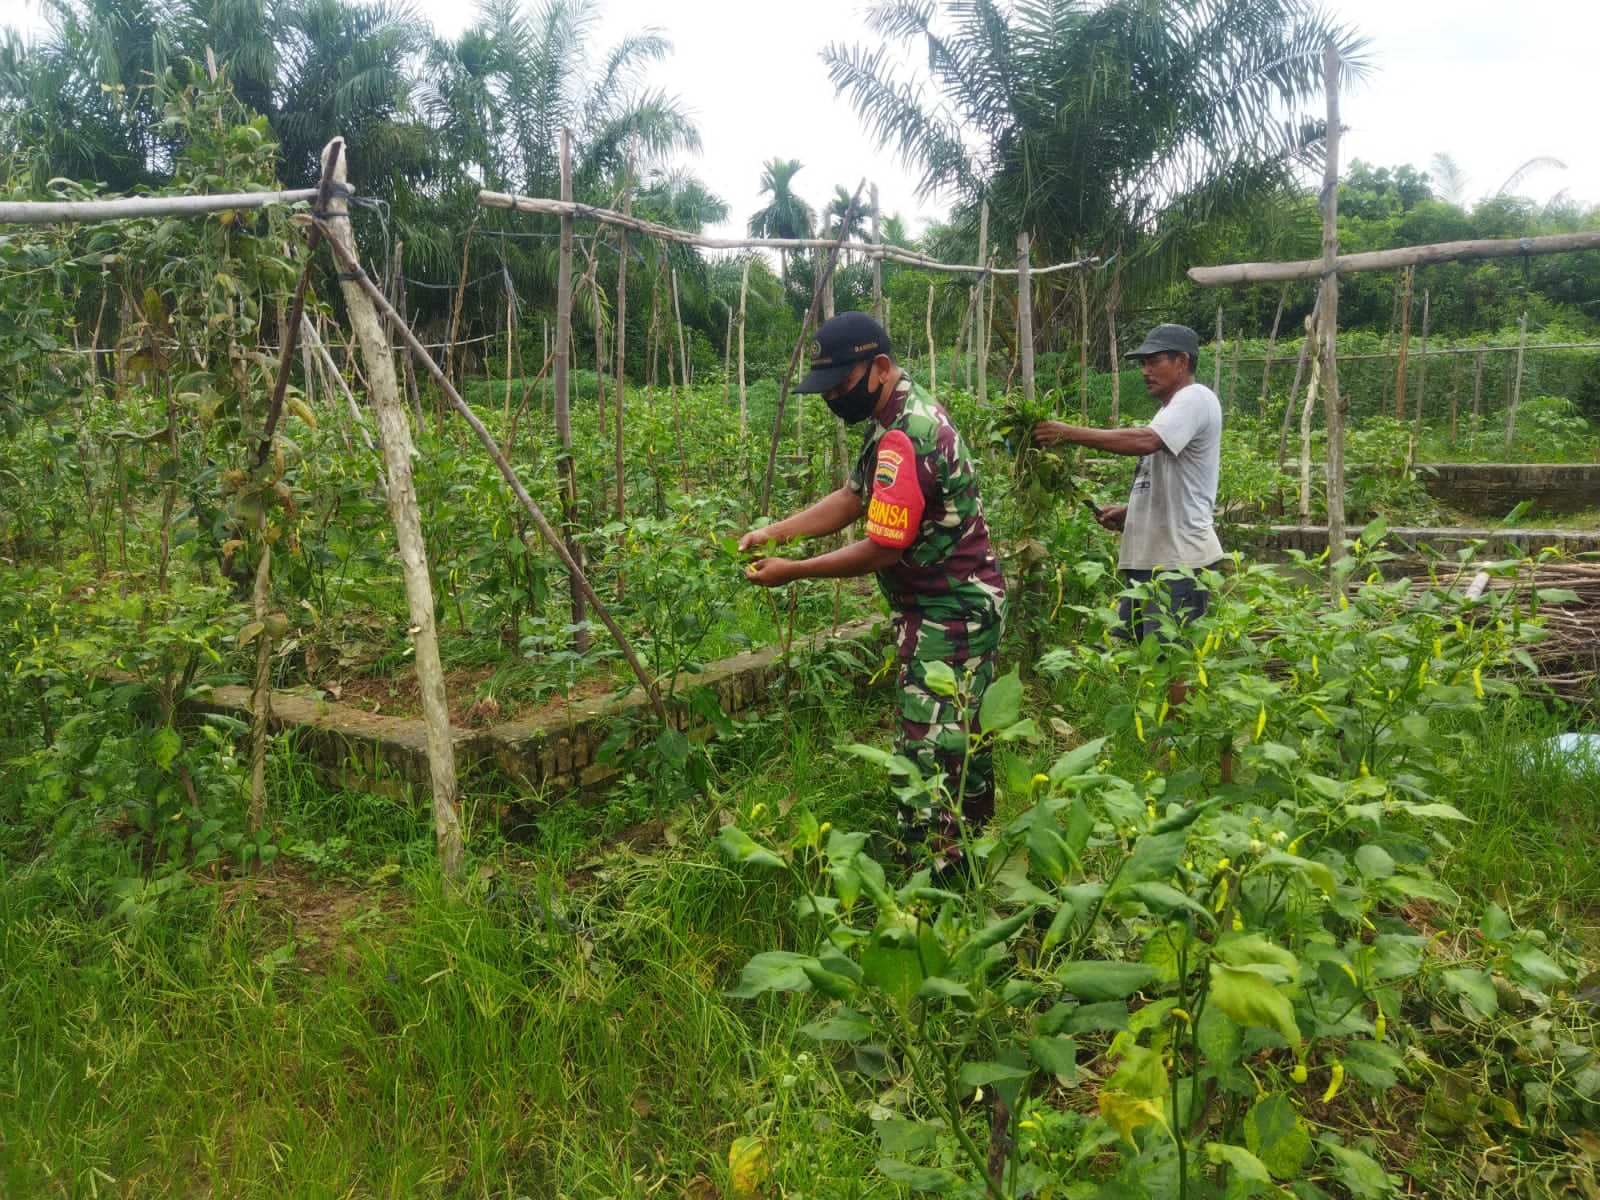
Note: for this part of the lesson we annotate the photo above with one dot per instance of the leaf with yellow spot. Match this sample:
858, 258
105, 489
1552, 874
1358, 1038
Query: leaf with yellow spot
747, 1167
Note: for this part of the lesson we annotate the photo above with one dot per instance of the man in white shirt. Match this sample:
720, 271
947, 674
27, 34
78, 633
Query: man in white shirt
1167, 529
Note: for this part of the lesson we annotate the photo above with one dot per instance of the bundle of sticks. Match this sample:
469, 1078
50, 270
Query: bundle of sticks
1568, 656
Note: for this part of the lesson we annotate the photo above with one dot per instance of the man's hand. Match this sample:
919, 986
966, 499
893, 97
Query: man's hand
757, 538
1113, 517
771, 572
1051, 433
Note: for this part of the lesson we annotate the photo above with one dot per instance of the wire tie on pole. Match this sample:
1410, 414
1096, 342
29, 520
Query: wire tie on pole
351, 276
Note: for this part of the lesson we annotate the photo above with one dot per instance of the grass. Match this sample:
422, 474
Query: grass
561, 1033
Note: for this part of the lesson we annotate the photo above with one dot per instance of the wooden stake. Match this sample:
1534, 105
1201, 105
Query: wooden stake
1477, 393
1216, 358
877, 263
1406, 277
1113, 298
566, 465
1272, 343
980, 330
1025, 317
620, 384
1330, 309
1083, 342
744, 295
1516, 391
395, 435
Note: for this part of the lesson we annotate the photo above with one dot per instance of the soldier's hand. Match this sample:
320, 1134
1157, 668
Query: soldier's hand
756, 538
770, 572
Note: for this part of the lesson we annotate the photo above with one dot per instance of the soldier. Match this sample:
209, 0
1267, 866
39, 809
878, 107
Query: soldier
926, 539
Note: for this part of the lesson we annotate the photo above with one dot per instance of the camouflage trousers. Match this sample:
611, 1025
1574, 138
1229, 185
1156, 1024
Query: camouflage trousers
935, 732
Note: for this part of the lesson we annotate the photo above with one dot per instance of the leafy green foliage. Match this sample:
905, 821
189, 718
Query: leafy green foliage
1192, 960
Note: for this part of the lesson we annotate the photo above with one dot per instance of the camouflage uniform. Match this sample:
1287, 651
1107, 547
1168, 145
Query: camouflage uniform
948, 599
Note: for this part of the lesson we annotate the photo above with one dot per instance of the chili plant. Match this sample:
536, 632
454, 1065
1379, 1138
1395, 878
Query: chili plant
1170, 986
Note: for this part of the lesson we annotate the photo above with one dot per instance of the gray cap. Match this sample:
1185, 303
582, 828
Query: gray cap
1169, 337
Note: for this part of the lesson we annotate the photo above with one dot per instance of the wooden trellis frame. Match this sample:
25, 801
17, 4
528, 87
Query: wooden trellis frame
1332, 264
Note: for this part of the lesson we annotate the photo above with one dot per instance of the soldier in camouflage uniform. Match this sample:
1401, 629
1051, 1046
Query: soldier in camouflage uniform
928, 543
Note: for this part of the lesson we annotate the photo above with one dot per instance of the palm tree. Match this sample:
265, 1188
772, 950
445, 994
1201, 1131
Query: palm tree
503, 92
786, 215
1106, 124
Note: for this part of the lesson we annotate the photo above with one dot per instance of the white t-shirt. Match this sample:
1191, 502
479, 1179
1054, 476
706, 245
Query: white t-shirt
1169, 521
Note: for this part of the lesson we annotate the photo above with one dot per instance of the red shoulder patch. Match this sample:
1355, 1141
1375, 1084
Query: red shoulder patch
894, 512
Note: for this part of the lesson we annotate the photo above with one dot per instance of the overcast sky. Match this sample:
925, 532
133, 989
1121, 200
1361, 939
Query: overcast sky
1492, 83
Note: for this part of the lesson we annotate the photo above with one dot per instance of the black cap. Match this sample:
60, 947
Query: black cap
841, 343
1169, 337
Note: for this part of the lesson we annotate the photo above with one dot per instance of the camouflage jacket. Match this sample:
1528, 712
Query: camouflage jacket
947, 569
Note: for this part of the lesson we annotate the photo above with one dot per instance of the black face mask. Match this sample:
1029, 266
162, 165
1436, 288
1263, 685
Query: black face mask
856, 404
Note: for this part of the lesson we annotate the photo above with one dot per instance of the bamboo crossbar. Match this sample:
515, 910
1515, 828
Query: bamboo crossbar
606, 216
45, 212
1379, 260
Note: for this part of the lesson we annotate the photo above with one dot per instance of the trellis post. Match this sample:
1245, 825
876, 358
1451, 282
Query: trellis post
566, 466
1025, 317
395, 435
1329, 340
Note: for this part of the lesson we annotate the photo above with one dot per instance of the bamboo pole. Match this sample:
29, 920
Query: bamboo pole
1406, 278
1455, 399
1379, 260
399, 281
980, 331
877, 264
1516, 391
395, 435
566, 465
591, 280
1083, 346
889, 253
621, 380
47, 212
744, 296
1305, 437
933, 358
1272, 343
1216, 359
1025, 317
1477, 393
1113, 298
1300, 370
727, 357
1422, 367
1330, 309
685, 368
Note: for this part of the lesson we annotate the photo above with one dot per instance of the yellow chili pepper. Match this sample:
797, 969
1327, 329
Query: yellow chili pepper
1261, 722
1335, 1081
1299, 1073
1477, 682
1138, 726
1200, 674
1314, 674
1380, 1024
